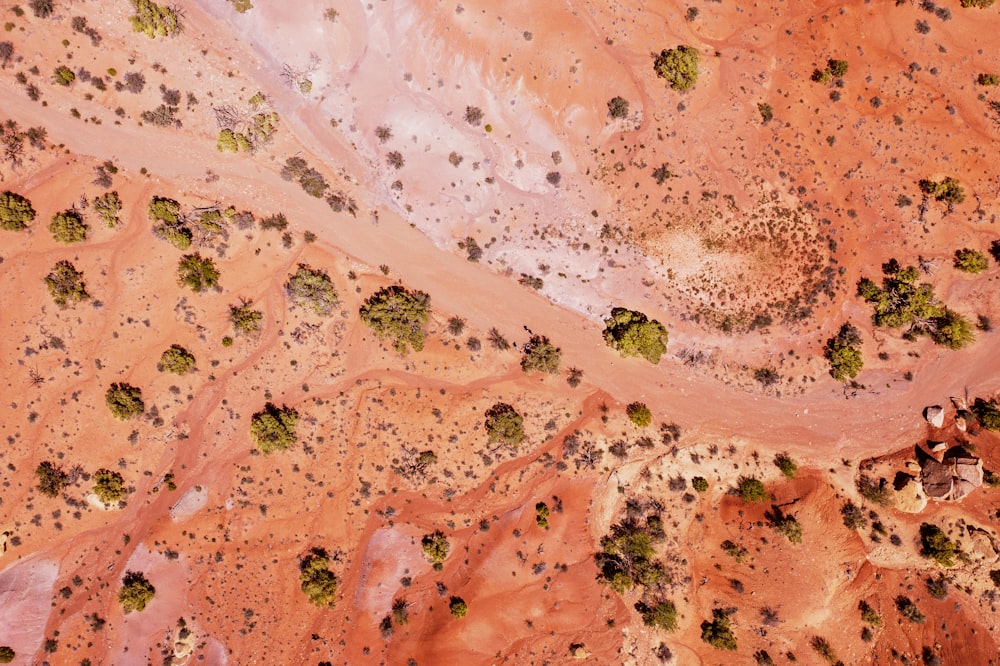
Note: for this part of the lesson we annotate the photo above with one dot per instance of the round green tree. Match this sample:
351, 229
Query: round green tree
639, 414
678, 66
631, 333
7, 654
971, 261
458, 607
16, 212
317, 581
751, 490
66, 285
540, 355
68, 227
136, 592
245, 319
273, 428
109, 486
308, 287
124, 401
504, 425
843, 351
176, 360
399, 314
436, 547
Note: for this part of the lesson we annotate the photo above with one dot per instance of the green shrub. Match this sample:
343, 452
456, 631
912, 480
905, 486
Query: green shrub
751, 490
108, 206
273, 429
618, 107
639, 414
68, 227
124, 401
785, 524
457, 607
317, 581
843, 351
869, 614
504, 425
245, 320
971, 261
824, 649
766, 112
63, 75
154, 20
700, 484
979, 4
718, 633
109, 486
436, 547
312, 288
136, 592
988, 413
16, 212
176, 360
936, 545
988, 80
542, 515
197, 272
838, 68
398, 314
787, 466
661, 614
65, 284
540, 355
51, 479
631, 333
952, 330
678, 66
7, 654
242, 6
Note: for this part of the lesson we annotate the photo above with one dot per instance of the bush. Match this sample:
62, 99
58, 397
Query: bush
540, 356
197, 272
937, 587
787, 466
176, 360
639, 414
63, 76
51, 479
317, 581
751, 490
660, 615
618, 107
952, 330
310, 180
245, 319
273, 429
843, 351
109, 486
678, 66
457, 607
65, 284
504, 425
154, 20
766, 112
823, 649
312, 288
854, 516
700, 484
7, 654
108, 206
473, 115
41, 8
988, 80
16, 212
136, 592
994, 248
785, 524
68, 227
124, 401
869, 614
435, 546
718, 633
400, 315
979, 4
631, 333
936, 545
971, 261
988, 413
909, 610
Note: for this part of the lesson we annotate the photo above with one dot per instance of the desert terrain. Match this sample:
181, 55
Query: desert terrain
224, 444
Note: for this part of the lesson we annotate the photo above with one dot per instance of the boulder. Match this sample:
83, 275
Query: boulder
579, 651
910, 498
937, 447
937, 479
934, 415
